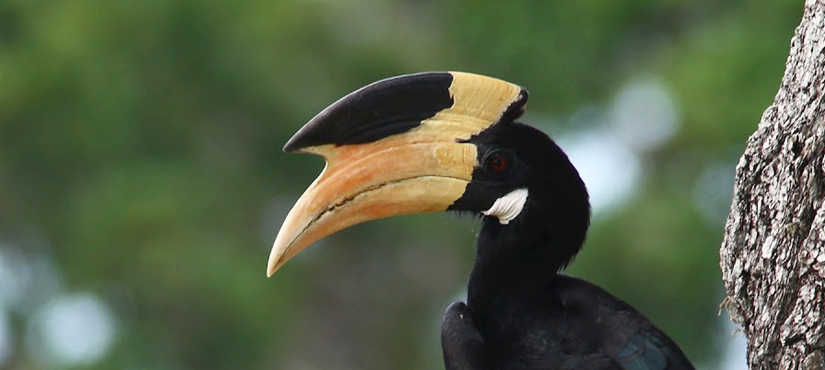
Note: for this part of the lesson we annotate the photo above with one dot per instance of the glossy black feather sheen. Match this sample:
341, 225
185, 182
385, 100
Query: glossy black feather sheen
381, 109
520, 312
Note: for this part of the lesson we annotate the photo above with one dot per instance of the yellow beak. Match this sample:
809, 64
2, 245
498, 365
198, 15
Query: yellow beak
415, 178
424, 169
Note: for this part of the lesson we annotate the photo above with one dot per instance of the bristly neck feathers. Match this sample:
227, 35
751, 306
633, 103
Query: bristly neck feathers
519, 260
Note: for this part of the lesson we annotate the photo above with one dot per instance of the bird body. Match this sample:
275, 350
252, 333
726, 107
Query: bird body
450, 141
572, 325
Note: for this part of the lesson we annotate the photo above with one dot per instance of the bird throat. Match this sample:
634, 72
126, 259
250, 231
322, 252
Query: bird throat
516, 266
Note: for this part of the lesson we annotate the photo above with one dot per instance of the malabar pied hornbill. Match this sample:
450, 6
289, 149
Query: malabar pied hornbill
449, 141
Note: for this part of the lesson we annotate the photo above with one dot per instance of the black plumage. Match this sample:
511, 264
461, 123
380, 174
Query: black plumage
522, 314
449, 141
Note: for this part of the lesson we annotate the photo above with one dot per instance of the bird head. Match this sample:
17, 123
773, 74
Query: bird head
433, 142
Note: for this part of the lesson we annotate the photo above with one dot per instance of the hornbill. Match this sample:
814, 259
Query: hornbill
441, 141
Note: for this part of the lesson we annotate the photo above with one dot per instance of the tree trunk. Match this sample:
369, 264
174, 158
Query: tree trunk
773, 254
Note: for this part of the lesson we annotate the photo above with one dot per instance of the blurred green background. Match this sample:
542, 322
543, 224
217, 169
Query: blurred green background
142, 179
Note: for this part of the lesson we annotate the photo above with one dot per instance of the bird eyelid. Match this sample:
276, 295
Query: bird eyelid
499, 162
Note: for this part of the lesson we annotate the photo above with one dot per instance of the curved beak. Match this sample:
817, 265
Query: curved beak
414, 178
395, 147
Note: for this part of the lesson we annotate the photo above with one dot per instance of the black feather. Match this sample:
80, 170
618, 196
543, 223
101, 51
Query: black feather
520, 313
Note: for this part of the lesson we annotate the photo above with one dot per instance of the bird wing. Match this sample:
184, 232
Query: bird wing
628, 337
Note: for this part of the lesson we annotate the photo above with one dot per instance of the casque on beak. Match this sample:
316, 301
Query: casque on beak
394, 147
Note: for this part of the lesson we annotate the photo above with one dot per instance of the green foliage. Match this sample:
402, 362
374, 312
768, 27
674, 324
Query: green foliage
142, 140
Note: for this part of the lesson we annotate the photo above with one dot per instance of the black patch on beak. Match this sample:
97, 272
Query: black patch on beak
385, 108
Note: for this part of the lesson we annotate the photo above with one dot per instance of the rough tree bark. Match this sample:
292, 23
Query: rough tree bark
773, 254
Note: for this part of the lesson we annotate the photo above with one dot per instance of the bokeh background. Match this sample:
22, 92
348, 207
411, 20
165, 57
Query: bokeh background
142, 179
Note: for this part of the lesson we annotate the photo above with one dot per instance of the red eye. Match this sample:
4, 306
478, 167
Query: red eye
497, 163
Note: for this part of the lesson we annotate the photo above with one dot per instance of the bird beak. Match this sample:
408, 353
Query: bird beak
398, 146
412, 178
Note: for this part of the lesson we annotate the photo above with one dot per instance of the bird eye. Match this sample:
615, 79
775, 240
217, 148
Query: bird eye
497, 163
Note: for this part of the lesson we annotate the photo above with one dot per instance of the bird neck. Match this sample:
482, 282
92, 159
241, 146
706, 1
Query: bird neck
509, 264
517, 263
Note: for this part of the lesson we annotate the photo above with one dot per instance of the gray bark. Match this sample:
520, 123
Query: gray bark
773, 254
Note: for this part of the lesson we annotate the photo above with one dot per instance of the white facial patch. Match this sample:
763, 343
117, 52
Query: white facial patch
509, 206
